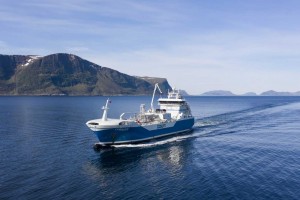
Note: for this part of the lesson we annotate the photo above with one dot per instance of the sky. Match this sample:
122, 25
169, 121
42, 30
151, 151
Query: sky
198, 45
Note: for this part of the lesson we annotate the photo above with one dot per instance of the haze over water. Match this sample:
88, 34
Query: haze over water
241, 148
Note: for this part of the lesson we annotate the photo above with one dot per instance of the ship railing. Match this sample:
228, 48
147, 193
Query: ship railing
128, 116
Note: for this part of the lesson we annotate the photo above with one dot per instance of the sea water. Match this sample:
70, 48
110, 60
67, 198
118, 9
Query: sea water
240, 148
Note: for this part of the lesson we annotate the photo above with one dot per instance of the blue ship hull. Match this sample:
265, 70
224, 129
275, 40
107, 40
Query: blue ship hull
139, 134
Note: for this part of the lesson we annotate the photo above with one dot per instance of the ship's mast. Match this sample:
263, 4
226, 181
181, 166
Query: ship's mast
155, 87
105, 108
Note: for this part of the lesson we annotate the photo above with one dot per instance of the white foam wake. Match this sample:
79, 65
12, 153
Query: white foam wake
162, 142
156, 143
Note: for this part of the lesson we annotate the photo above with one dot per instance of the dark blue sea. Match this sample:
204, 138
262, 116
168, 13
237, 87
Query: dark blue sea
240, 148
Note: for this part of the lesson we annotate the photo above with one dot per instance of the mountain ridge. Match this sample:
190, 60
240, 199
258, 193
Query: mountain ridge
67, 74
266, 93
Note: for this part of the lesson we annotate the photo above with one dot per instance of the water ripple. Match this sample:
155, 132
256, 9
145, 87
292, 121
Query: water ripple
240, 148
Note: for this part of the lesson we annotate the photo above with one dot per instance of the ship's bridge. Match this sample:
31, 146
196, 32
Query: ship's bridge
175, 104
174, 94
174, 97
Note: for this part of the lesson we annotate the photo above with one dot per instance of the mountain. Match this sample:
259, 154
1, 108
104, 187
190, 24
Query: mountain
267, 93
274, 93
8, 65
162, 82
184, 93
67, 74
218, 93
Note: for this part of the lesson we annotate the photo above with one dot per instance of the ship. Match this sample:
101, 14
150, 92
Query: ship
173, 116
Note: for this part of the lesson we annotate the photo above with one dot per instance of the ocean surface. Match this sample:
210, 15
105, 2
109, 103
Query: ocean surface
240, 148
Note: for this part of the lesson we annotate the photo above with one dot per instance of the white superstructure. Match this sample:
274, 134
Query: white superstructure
176, 105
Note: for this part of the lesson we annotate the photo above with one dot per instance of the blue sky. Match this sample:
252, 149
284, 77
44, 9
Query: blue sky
198, 45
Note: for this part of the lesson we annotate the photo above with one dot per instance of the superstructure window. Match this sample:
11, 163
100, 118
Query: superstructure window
172, 102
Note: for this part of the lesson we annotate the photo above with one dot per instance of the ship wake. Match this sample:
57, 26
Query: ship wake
226, 123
